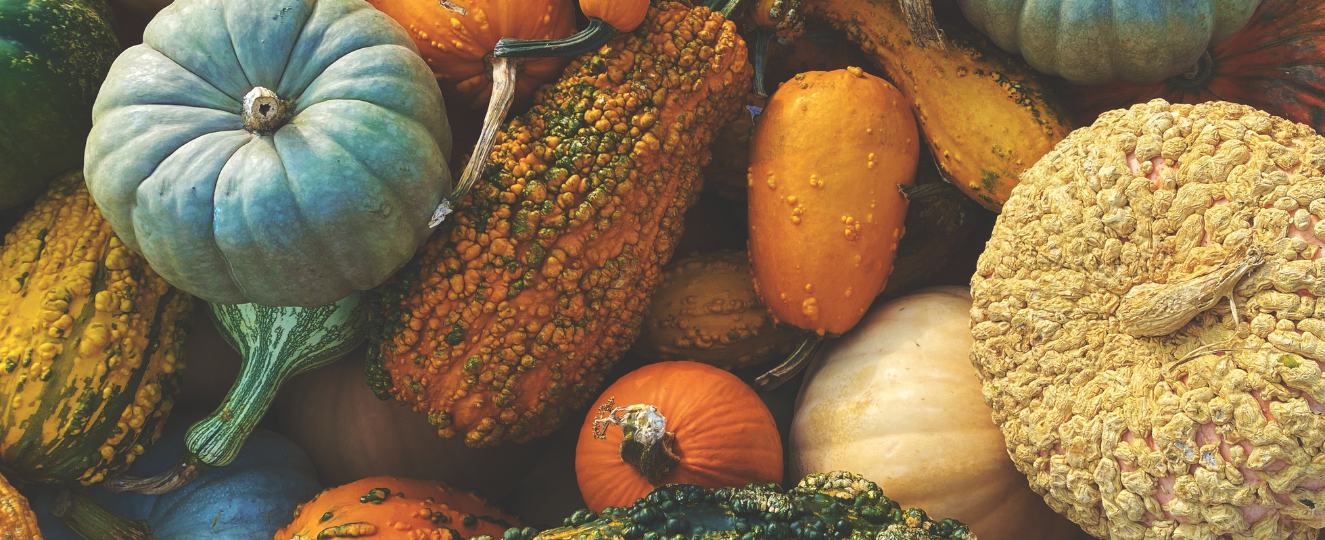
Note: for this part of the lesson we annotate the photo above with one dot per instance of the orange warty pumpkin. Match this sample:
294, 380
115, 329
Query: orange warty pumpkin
715, 432
390, 508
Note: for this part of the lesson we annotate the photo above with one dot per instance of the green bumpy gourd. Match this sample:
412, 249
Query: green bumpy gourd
823, 506
53, 56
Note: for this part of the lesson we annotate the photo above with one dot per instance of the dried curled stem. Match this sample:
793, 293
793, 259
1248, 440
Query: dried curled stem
925, 32
1159, 309
647, 445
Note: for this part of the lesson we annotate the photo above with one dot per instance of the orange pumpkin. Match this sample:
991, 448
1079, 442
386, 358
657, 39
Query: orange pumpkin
825, 219
711, 430
624, 15
390, 508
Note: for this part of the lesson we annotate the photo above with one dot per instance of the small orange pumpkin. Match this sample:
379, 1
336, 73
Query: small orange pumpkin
390, 508
689, 423
624, 15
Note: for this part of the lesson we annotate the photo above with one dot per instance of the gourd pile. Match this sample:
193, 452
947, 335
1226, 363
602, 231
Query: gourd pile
662, 269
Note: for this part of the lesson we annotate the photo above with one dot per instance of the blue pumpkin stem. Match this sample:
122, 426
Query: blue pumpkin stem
93, 521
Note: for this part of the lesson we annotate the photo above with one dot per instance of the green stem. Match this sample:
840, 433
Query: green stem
763, 36
794, 363
188, 469
588, 40
725, 7
93, 521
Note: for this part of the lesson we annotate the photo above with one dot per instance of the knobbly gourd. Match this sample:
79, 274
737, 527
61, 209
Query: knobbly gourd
891, 400
508, 319
706, 310
675, 423
389, 508
985, 114
91, 345
825, 220
284, 152
1100, 41
16, 517
1147, 330
55, 56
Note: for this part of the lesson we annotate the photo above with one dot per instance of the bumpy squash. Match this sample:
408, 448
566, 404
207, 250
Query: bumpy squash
707, 311
507, 320
91, 344
54, 56
389, 508
16, 518
985, 114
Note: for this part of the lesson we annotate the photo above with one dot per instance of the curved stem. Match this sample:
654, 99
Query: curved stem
503, 93
188, 469
794, 363
590, 39
763, 36
93, 521
725, 7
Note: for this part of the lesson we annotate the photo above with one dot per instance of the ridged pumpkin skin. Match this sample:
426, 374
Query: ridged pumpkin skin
510, 316
985, 114
54, 56
17, 522
1100, 41
458, 46
725, 435
389, 508
302, 209
90, 347
1273, 64
624, 15
707, 311
825, 219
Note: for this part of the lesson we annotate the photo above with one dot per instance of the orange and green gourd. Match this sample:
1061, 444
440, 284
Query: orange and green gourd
510, 316
91, 343
389, 508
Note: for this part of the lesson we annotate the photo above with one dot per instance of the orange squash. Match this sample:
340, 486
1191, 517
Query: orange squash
713, 430
624, 15
390, 508
825, 219
17, 522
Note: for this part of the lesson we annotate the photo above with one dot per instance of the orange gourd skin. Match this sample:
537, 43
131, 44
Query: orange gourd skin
17, 522
457, 47
373, 507
725, 435
624, 15
825, 217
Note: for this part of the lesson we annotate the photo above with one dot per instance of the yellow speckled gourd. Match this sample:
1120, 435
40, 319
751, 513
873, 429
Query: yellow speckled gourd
707, 311
91, 342
17, 522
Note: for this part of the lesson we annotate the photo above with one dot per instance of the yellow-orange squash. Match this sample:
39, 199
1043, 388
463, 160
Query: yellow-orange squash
17, 522
390, 508
825, 219
707, 311
91, 343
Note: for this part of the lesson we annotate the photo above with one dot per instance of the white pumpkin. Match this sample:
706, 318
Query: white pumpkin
897, 400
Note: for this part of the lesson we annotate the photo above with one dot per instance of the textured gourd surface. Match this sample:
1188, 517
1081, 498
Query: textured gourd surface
1129, 391
511, 314
91, 341
17, 522
389, 508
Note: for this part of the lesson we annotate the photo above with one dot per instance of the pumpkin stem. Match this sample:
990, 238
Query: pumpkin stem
186, 470
504, 71
1198, 75
925, 32
763, 36
93, 521
264, 112
725, 7
590, 39
794, 363
646, 443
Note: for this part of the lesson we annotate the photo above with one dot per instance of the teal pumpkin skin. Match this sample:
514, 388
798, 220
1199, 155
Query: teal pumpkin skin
299, 209
1091, 42
53, 57
250, 498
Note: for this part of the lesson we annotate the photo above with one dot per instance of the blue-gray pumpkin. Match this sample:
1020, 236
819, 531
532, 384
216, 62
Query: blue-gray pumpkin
1101, 41
281, 152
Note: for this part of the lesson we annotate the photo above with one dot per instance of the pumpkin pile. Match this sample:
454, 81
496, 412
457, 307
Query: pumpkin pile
717, 269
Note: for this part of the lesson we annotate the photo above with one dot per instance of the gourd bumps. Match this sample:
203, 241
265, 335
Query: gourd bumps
1138, 402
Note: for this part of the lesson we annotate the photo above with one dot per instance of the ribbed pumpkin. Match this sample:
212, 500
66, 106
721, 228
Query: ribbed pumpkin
707, 311
1273, 64
17, 522
54, 56
389, 508
675, 423
90, 346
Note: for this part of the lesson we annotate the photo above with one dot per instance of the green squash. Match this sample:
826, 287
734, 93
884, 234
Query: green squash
1100, 41
53, 57
282, 152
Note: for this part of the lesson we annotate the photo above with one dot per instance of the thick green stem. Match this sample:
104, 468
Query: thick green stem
763, 37
93, 521
794, 363
725, 7
186, 470
504, 72
588, 40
